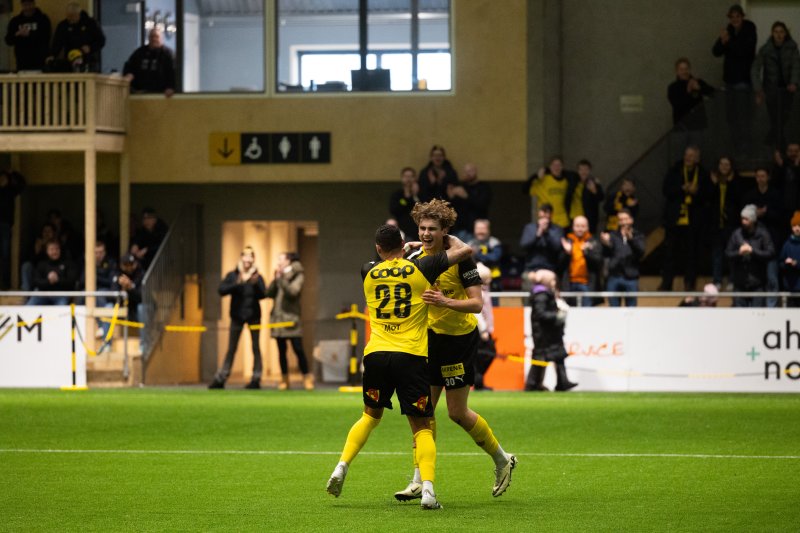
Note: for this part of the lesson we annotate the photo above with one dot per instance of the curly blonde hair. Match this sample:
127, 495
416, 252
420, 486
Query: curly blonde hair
436, 209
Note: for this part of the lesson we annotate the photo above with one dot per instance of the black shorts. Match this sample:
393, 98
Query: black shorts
452, 359
387, 372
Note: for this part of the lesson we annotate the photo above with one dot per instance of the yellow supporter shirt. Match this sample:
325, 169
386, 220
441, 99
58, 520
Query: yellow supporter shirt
452, 283
576, 206
398, 317
549, 190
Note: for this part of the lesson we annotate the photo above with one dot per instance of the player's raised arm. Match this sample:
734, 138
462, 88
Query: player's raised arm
456, 249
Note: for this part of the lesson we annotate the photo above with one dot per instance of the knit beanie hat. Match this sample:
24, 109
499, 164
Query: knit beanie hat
796, 218
749, 212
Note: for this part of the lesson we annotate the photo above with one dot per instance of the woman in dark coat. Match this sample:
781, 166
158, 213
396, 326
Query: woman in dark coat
246, 288
547, 328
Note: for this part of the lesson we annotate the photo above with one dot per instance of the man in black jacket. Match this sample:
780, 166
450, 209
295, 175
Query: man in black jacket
625, 248
54, 274
749, 250
29, 34
246, 288
584, 194
151, 68
78, 37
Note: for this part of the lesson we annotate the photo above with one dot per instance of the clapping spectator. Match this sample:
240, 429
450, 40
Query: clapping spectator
11, 185
624, 198
684, 95
541, 241
487, 250
624, 248
584, 194
585, 258
789, 261
78, 39
55, 273
29, 34
403, 201
725, 203
151, 68
470, 197
709, 298
749, 250
776, 76
549, 186
436, 176
148, 237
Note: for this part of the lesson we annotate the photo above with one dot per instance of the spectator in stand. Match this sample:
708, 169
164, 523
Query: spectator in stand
789, 260
548, 318
78, 36
11, 185
105, 272
246, 288
151, 68
584, 194
55, 273
470, 197
726, 202
129, 278
769, 210
541, 241
737, 43
585, 259
709, 298
624, 248
403, 201
71, 242
29, 34
549, 186
47, 234
103, 233
487, 250
624, 198
148, 237
776, 76
749, 250
436, 176
685, 94
685, 190
787, 174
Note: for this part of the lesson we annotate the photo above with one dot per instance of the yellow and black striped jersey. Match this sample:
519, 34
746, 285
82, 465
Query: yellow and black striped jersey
398, 317
453, 283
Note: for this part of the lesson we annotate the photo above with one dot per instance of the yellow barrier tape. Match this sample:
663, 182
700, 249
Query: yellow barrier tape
273, 325
124, 322
113, 322
185, 329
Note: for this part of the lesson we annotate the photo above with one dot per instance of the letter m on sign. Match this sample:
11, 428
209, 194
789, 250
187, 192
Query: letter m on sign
22, 325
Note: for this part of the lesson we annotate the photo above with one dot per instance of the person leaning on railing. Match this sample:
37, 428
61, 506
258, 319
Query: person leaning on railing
56, 273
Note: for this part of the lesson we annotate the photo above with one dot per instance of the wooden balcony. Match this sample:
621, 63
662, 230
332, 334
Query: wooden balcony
62, 112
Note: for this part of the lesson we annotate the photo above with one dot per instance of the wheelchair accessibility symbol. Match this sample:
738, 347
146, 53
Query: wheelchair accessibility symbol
253, 150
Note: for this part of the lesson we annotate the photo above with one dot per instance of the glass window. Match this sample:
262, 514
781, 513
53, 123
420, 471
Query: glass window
319, 46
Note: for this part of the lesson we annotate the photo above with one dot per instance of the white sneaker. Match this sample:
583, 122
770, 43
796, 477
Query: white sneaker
429, 501
334, 487
412, 492
502, 476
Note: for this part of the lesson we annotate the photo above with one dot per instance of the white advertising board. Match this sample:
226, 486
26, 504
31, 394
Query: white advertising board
681, 349
39, 354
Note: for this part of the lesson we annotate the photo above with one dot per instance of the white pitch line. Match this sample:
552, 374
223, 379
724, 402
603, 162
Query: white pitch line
445, 454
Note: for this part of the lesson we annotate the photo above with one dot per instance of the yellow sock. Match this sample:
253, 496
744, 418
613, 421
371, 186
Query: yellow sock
358, 436
414, 442
426, 454
482, 434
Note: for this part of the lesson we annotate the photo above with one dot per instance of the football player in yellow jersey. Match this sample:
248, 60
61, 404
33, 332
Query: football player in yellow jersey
453, 343
396, 356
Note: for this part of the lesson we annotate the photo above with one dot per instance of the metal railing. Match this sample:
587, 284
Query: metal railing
31, 103
162, 285
782, 297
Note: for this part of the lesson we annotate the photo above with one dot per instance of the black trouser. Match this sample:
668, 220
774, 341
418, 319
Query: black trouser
233, 341
297, 346
681, 243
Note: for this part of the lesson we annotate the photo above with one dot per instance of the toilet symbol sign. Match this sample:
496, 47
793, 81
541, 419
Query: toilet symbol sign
231, 148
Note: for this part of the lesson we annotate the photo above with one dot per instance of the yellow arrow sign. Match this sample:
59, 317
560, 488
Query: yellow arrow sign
224, 148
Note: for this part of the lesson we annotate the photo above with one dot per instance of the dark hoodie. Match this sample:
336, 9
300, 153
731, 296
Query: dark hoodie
85, 32
31, 51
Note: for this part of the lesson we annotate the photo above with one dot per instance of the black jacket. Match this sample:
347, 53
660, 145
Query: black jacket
545, 251
31, 51
739, 53
153, 69
547, 327
773, 220
624, 255
750, 271
150, 240
67, 275
475, 206
400, 207
731, 211
674, 196
73, 36
428, 191
244, 296
684, 103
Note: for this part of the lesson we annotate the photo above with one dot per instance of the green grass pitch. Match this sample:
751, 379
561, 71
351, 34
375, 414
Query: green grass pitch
235, 460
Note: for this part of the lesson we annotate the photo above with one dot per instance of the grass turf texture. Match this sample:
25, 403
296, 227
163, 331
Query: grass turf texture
551, 491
